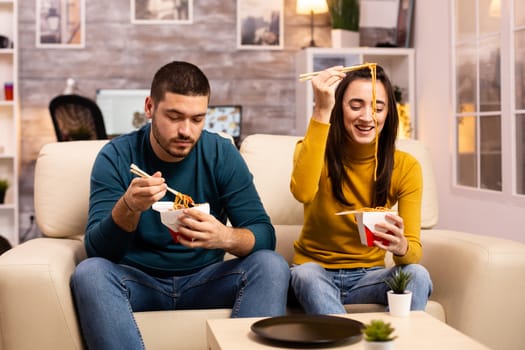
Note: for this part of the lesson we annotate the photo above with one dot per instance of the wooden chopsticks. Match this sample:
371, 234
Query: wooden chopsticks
308, 76
139, 172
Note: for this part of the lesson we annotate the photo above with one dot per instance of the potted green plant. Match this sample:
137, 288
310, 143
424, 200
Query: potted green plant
399, 298
345, 22
80, 133
378, 335
404, 130
4, 185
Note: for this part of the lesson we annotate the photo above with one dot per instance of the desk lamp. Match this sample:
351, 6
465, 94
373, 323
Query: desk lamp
311, 7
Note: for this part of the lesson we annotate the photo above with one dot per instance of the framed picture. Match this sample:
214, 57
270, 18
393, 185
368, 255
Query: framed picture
260, 24
404, 23
225, 118
377, 23
161, 11
60, 23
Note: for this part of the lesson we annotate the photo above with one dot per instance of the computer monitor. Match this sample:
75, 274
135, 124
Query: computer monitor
225, 118
123, 111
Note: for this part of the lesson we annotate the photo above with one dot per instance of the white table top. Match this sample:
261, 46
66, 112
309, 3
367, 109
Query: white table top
418, 331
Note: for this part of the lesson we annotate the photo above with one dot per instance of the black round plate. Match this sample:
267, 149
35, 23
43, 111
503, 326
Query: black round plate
308, 330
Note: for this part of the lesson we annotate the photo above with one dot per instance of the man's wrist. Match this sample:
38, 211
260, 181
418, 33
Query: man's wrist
128, 206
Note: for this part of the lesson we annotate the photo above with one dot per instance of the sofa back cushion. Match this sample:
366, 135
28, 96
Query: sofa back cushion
429, 202
62, 177
270, 159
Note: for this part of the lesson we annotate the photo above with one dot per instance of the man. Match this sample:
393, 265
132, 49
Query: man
133, 263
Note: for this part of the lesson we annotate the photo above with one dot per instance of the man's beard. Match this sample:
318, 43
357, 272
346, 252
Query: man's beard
165, 143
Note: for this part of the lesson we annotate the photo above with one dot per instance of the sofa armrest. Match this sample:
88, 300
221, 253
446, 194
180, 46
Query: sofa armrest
479, 281
36, 304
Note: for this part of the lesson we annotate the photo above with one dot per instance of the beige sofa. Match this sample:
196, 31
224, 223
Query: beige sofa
478, 280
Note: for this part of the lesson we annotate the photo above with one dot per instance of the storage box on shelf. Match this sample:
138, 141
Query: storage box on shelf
398, 63
9, 132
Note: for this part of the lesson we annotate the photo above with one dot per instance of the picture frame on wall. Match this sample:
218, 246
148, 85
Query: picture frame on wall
60, 23
377, 23
405, 16
161, 11
260, 24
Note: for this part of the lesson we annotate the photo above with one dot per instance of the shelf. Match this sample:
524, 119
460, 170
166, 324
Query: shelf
9, 123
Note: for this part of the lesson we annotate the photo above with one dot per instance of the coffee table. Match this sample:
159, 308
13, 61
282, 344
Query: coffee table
417, 331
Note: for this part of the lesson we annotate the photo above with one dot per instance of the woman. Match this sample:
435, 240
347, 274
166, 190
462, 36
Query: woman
339, 166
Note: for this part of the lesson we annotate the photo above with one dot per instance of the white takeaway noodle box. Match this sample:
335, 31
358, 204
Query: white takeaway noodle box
366, 221
170, 217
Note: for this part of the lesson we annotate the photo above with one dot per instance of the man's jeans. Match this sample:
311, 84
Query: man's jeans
106, 294
323, 291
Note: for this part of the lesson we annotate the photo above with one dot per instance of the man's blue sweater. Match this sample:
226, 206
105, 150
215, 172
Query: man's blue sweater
213, 172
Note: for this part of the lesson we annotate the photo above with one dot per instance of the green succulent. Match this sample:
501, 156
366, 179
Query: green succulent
344, 14
399, 280
378, 330
80, 133
4, 185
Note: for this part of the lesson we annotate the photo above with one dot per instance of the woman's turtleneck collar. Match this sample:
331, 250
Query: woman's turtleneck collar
360, 153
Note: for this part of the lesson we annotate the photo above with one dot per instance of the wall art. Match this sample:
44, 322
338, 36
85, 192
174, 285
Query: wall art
260, 24
404, 23
60, 23
161, 11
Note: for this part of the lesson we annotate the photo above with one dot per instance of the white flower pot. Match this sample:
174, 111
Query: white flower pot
379, 345
399, 304
344, 38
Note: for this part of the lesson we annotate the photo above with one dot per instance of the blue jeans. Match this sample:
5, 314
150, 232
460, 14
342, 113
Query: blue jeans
106, 294
323, 291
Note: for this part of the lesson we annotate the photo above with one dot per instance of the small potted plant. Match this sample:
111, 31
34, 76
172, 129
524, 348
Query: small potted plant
378, 335
404, 130
80, 133
4, 185
345, 22
399, 298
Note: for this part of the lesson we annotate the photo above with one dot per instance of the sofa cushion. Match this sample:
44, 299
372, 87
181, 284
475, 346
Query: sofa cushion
62, 176
270, 159
429, 202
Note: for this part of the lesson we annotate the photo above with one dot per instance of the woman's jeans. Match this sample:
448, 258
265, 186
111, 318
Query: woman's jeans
325, 291
106, 294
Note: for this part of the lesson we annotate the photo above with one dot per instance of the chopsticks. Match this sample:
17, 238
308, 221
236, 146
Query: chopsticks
348, 212
308, 76
137, 171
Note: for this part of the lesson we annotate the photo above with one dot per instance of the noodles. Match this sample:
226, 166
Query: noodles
182, 201
375, 209
372, 67
362, 210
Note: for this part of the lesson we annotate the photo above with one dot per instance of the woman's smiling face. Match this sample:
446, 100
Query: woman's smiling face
357, 110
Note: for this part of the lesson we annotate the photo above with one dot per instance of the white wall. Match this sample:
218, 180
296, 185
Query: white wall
459, 210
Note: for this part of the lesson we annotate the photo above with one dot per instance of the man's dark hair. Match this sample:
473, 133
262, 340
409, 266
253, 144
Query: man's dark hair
181, 78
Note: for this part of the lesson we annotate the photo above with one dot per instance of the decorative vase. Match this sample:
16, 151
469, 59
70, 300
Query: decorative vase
379, 345
344, 38
399, 304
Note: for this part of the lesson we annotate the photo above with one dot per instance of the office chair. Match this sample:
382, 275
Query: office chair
76, 118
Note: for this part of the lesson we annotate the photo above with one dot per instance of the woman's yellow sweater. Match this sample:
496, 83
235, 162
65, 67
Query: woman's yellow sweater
332, 240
